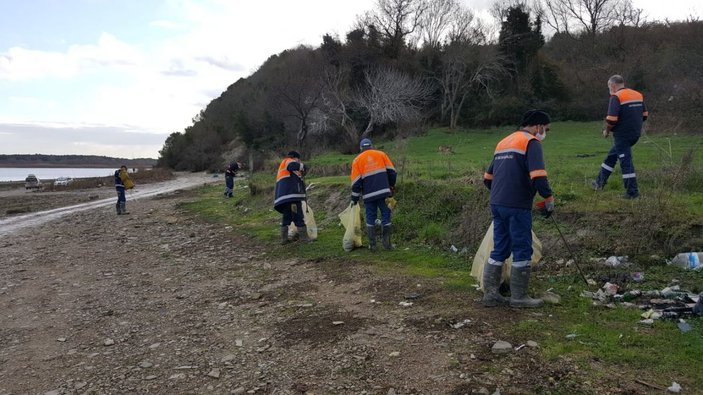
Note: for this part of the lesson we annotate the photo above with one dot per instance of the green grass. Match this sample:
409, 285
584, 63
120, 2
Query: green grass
442, 202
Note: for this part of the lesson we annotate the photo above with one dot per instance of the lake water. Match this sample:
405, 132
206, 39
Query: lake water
52, 173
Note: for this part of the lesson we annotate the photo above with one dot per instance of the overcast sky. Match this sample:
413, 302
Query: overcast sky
115, 77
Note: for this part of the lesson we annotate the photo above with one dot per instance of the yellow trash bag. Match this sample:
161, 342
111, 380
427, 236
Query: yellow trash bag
310, 224
484, 252
351, 220
126, 181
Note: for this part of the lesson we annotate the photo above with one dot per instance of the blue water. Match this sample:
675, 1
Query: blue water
52, 173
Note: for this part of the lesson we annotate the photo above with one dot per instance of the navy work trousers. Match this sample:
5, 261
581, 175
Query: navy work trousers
372, 208
622, 151
293, 212
512, 233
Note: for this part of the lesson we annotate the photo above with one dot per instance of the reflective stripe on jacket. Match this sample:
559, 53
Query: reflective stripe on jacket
626, 113
289, 185
517, 171
372, 175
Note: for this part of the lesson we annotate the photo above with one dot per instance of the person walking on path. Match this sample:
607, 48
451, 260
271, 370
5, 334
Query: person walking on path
373, 176
122, 182
515, 175
230, 173
626, 115
290, 192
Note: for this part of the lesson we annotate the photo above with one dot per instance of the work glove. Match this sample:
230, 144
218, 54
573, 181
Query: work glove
354, 200
545, 208
606, 133
393, 191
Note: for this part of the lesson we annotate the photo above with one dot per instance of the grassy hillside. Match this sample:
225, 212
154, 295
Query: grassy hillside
443, 203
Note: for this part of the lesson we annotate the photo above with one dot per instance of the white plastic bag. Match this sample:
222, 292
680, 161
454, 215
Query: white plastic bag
484, 252
310, 224
351, 220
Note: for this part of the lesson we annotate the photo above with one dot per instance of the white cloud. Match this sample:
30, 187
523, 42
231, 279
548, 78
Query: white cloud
164, 24
20, 64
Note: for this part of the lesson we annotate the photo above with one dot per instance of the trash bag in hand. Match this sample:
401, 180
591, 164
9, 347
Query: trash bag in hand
351, 220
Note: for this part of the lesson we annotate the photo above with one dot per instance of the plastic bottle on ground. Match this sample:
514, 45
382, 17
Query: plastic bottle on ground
688, 260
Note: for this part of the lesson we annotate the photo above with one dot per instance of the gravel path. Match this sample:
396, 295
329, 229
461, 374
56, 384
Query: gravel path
160, 302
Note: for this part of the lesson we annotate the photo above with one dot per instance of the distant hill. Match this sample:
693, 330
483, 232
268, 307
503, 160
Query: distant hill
38, 160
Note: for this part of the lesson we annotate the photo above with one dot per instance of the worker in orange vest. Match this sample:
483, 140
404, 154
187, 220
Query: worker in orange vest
515, 175
290, 192
373, 177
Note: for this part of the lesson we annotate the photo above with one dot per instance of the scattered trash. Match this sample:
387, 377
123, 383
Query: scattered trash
637, 276
648, 321
571, 336
337, 323
591, 281
688, 260
406, 304
454, 249
520, 347
412, 295
611, 289
684, 326
698, 308
461, 324
675, 388
670, 291
617, 261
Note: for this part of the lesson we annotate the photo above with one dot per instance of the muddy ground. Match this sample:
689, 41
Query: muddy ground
161, 302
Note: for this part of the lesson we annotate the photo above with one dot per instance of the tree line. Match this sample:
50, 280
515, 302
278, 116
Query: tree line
42, 160
407, 64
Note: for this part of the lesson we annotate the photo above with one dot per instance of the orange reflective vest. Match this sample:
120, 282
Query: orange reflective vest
372, 175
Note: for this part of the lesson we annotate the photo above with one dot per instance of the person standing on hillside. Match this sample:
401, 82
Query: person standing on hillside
290, 192
373, 176
122, 182
626, 114
515, 175
230, 173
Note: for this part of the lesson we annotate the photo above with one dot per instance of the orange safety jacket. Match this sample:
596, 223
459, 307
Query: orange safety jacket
517, 172
372, 175
289, 183
626, 113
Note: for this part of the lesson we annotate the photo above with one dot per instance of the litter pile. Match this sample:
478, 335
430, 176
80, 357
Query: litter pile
669, 303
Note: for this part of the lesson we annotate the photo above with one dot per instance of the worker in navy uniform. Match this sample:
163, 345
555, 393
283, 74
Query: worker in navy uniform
373, 178
626, 115
290, 192
515, 175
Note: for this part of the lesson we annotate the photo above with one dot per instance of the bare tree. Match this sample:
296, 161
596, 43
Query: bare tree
336, 104
392, 96
590, 16
437, 20
397, 20
297, 88
628, 15
467, 69
463, 26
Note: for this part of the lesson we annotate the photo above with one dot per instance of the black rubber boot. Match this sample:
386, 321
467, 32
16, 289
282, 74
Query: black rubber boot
284, 235
123, 207
303, 234
371, 233
491, 283
519, 281
386, 236
118, 206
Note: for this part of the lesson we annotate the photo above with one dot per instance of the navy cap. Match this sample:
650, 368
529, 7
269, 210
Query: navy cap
365, 143
535, 117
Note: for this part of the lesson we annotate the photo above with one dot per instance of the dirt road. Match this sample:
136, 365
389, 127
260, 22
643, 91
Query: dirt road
160, 302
